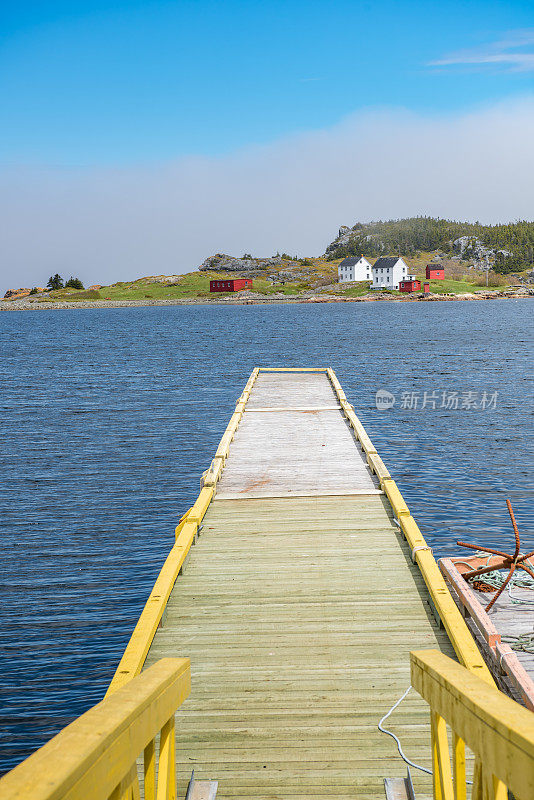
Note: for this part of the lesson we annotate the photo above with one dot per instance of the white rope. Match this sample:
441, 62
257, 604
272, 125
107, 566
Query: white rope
419, 547
399, 746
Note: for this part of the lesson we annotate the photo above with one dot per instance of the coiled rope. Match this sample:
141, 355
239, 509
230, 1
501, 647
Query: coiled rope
495, 579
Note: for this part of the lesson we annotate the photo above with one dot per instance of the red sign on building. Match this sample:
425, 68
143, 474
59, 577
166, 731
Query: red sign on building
230, 285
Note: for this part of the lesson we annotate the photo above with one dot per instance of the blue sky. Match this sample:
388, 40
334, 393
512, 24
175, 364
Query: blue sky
136, 82
138, 138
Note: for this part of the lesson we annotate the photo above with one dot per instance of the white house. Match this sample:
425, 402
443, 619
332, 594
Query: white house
354, 269
388, 271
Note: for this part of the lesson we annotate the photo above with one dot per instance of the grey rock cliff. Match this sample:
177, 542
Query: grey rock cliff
221, 262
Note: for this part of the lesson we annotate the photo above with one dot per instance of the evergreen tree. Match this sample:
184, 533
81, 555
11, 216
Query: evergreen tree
74, 283
55, 282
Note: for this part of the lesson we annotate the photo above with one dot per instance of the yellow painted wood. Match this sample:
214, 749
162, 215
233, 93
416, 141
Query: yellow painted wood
293, 369
441, 760
253, 375
359, 431
196, 514
465, 647
134, 656
235, 419
497, 729
181, 523
395, 498
499, 789
336, 384
458, 767
213, 473
477, 792
378, 467
149, 769
411, 531
166, 789
92, 755
128, 789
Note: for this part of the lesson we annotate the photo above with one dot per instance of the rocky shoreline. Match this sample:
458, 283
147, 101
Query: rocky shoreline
247, 298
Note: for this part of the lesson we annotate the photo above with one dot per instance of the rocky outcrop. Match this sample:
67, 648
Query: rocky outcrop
473, 247
344, 236
221, 262
16, 293
167, 279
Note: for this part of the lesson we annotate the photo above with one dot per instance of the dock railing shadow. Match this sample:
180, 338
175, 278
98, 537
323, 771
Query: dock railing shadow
497, 730
96, 755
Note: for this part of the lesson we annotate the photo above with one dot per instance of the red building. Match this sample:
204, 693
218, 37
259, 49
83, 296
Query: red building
410, 285
426, 288
435, 273
230, 285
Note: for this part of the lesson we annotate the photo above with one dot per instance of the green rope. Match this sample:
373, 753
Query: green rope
524, 642
520, 580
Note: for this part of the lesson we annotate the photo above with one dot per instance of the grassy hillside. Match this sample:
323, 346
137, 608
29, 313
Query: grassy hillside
316, 276
192, 285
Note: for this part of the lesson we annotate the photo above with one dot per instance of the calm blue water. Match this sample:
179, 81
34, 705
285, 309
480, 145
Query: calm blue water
110, 416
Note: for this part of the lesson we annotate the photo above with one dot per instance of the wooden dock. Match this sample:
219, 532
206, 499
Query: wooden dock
296, 606
298, 609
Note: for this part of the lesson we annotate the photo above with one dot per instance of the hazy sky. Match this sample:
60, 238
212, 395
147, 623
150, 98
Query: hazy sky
139, 137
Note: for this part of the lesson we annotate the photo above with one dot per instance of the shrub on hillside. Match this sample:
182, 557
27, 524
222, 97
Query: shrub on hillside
493, 280
74, 283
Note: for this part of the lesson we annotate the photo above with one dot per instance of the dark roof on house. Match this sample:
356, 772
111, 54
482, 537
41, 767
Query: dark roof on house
386, 261
350, 261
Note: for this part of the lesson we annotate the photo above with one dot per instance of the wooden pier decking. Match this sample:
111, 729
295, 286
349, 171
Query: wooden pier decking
266, 654
298, 608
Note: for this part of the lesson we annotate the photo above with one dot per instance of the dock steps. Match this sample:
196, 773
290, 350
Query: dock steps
201, 790
399, 788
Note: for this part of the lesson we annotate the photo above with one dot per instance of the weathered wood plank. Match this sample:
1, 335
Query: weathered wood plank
288, 453
289, 625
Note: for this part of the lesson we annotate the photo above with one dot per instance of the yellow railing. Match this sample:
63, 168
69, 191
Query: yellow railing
186, 532
96, 755
447, 610
497, 730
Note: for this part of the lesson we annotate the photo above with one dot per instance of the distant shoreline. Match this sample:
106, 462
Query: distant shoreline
21, 305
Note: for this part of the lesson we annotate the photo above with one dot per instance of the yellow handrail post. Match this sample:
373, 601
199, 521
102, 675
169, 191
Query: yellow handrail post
96, 755
458, 767
494, 727
149, 765
441, 768
167, 763
478, 785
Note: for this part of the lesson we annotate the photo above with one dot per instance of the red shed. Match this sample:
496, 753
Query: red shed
410, 285
230, 285
426, 288
435, 272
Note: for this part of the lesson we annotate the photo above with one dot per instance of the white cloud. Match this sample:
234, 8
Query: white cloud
111, 224
504, 53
